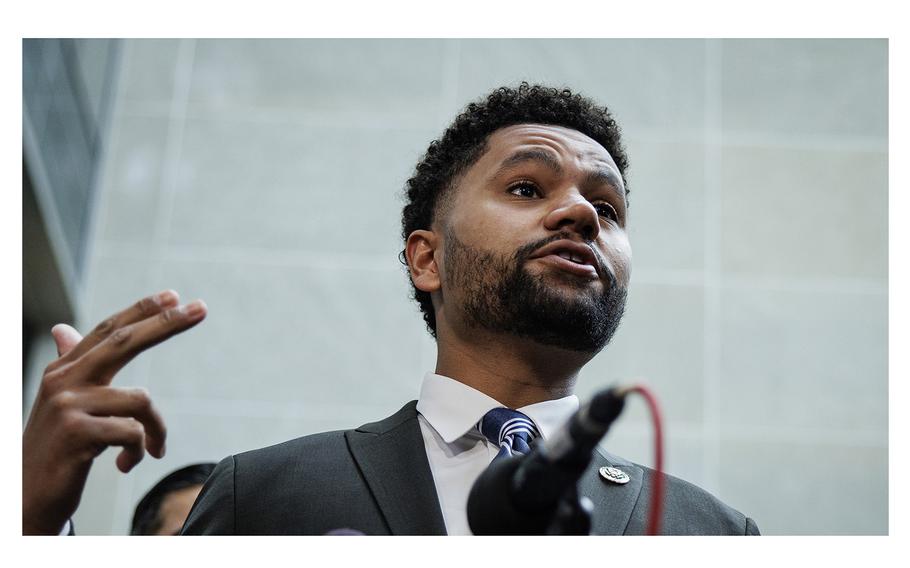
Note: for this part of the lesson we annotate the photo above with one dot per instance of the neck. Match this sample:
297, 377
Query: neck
514, 371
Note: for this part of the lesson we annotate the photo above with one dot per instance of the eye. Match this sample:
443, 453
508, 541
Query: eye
524, 189
605, 210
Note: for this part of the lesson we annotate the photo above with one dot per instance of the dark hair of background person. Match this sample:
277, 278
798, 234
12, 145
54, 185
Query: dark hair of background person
146, 519
465, 140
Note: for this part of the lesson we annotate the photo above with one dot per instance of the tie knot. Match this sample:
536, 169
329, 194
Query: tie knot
509, 429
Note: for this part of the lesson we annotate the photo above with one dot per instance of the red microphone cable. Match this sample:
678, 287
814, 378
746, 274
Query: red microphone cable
657, 486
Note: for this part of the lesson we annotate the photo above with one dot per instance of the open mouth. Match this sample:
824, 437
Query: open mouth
570, 256
575, 267
573, 257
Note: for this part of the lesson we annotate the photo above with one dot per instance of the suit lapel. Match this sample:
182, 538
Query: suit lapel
394, 463
613, 503
391, 455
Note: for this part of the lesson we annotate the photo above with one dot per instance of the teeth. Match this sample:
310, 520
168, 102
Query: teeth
570, 256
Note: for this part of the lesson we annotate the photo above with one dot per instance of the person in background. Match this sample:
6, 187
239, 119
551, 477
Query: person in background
166, 505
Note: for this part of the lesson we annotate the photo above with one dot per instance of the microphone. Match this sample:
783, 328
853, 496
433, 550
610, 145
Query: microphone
520, 495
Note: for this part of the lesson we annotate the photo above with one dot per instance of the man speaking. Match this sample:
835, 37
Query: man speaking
516, 241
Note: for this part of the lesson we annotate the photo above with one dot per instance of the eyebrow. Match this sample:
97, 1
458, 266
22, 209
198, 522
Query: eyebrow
533, 155
602, 176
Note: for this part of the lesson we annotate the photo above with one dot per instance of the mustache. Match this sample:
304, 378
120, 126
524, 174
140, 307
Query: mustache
523, 254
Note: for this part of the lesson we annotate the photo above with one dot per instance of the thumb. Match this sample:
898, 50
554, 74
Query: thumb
65, 337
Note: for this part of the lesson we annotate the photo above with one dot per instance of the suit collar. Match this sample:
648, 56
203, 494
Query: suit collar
392, 457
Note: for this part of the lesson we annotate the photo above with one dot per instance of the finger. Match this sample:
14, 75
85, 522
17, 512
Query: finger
141, 310
99, 365
129, 403
65, 337
116, 431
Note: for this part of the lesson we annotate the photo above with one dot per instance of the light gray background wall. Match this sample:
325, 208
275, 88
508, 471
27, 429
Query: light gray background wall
265, 177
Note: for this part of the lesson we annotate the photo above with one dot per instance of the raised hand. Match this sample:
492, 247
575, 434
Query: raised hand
77, 414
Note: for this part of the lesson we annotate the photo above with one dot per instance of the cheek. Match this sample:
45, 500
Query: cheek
619, 253
496, 229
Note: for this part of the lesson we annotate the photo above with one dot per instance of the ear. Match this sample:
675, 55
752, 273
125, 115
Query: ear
420, 251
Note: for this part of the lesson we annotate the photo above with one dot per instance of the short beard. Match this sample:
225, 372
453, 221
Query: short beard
501, 296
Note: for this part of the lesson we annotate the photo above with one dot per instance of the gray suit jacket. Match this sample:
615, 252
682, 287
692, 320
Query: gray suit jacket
377, 480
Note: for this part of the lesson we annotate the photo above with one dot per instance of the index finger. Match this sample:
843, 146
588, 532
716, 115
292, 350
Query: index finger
143, 309
102, 362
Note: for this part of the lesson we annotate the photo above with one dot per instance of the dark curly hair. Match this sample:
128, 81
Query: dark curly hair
465, 140
147, 516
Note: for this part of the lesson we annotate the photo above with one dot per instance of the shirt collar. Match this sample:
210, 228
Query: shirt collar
453, 408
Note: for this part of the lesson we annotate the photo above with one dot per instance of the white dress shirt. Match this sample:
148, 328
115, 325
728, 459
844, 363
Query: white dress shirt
448, 412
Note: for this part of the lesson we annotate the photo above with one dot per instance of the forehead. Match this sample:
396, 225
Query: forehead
569, 144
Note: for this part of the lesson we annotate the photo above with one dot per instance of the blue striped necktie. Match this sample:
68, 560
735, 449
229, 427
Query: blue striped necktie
509, 429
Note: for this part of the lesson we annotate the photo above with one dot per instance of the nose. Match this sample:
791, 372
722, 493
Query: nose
575, 213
